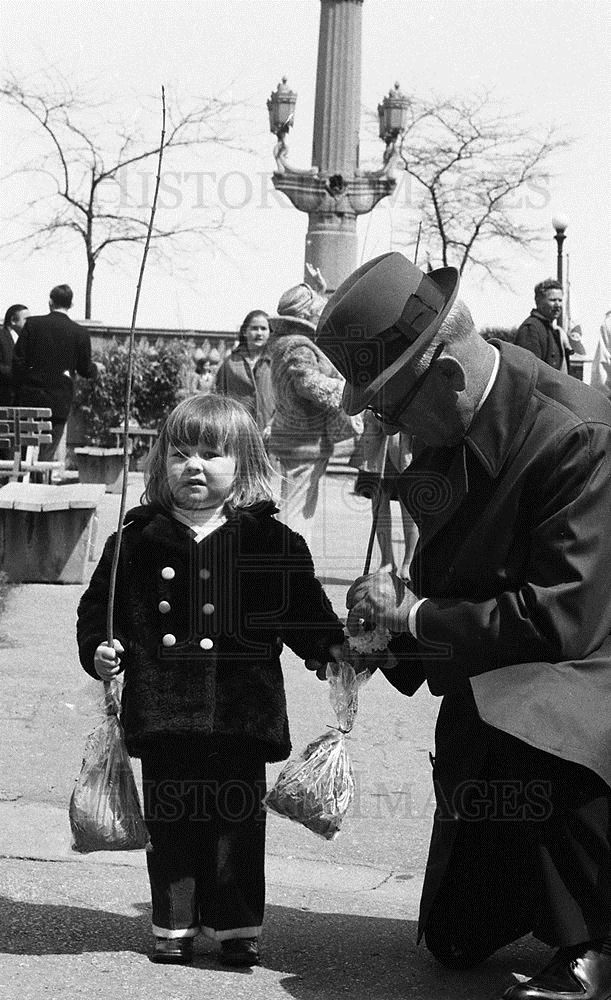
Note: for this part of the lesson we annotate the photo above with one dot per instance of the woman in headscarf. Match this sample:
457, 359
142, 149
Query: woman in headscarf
308, 392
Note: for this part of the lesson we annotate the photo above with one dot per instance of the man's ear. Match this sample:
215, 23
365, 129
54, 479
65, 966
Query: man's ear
453, 372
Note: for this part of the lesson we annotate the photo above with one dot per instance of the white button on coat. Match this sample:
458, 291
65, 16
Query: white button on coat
168, 573
208, 609
164, 607
169, 639
206, 643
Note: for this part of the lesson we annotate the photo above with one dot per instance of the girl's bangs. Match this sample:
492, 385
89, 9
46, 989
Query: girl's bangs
194, 427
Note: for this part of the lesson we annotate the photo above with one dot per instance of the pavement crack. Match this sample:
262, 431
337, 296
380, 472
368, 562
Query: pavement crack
384, 881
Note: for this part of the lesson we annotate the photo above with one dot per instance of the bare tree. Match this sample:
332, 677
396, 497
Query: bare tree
88, 161
476, 170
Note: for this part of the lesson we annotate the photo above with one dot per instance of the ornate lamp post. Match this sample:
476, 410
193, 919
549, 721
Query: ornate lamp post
334, 191
559, 223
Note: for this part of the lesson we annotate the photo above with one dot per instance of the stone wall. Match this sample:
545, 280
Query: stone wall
204, 342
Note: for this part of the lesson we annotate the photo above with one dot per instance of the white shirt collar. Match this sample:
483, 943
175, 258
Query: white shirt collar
201, 522
491, 380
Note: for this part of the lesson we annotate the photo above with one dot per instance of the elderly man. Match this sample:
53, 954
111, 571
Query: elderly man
508, 619
540, 332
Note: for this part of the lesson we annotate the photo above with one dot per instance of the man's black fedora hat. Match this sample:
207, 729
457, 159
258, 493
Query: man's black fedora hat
379, 318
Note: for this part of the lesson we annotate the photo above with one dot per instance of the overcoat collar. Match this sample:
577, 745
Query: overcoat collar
158, 526
501, 424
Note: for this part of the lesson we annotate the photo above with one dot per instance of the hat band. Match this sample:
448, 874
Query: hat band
421, 309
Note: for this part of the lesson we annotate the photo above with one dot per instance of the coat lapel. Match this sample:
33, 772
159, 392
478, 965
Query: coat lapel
433, 488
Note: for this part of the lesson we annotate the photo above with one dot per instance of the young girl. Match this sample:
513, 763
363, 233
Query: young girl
209, 587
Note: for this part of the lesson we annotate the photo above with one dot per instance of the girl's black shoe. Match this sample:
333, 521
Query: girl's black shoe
173, 951
240, 951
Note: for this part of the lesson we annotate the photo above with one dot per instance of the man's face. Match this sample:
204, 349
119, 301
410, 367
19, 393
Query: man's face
18, 321
438, 415
550, 303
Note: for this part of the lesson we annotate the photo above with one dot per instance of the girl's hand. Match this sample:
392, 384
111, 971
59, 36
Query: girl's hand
107, 660
335, 652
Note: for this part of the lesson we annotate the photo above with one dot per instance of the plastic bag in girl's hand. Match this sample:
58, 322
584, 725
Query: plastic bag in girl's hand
105, 812
317, 787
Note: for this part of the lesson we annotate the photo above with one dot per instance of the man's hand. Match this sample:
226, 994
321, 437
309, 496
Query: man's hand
379, 599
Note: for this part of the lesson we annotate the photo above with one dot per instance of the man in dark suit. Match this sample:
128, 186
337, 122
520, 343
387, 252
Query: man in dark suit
48, 353
508, 618
14, 321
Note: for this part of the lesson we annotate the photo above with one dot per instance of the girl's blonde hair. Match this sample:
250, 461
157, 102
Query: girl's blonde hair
223, 424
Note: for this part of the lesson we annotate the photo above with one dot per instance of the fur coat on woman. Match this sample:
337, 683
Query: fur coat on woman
308, 391
203, 626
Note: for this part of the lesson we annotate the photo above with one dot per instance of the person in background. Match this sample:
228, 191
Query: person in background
49, 351
507, 617
210, 586
308, 391
541, 332
202, 378
245, 374
384, 458
14, 321
601, 362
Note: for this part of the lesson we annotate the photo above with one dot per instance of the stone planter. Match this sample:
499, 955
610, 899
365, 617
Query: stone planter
100, 465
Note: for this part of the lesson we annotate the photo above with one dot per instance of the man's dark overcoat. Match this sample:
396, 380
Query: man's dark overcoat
514, 557
229, 602
49, 350
7, 347
537, 334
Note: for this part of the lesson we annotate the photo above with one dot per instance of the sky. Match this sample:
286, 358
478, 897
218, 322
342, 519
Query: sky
547, 59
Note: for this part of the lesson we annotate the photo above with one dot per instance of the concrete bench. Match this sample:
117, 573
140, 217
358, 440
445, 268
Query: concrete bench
22, 431
47, 533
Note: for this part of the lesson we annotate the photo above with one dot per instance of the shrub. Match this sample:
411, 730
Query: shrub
160, 379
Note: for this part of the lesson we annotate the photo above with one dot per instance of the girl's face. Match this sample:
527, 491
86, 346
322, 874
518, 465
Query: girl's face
199, 476
257, 333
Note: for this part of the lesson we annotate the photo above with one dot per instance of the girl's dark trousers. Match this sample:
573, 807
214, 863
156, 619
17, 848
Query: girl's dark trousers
202, 806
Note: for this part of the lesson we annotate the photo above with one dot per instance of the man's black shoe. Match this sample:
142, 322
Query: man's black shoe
173, 951
581, 973
240, 951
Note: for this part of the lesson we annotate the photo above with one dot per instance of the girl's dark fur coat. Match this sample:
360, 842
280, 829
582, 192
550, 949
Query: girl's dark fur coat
245, 589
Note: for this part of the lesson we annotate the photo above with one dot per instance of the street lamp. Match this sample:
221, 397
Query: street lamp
559, 223
334, 191
281, 109
392, 115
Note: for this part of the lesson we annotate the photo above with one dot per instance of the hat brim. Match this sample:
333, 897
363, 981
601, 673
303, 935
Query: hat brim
356, 398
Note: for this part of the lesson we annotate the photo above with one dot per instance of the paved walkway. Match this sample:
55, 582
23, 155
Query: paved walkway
340, 919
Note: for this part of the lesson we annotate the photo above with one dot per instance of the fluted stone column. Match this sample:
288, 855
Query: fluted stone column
331, 241
338, 87
334, 190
